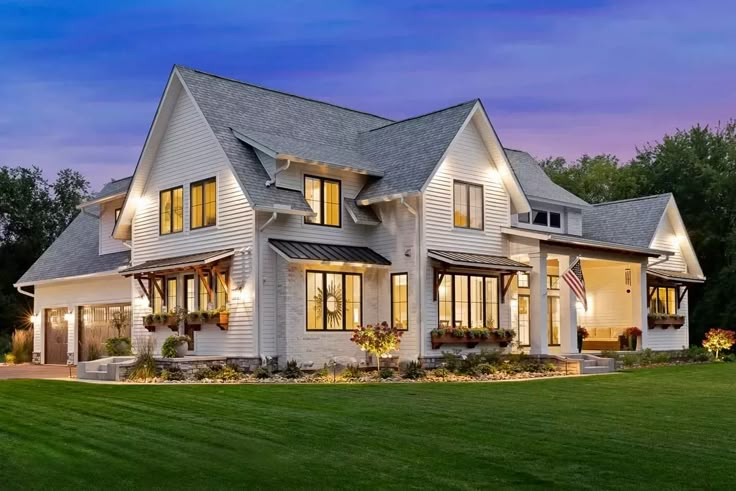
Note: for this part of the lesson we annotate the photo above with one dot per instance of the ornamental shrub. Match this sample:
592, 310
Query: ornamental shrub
22, 345
262, 373
118, 347
352, 372
292, 370
386, 373
413, 371
717, 340
379, 340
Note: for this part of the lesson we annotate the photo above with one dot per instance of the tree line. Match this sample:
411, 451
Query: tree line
33, 212
699, 167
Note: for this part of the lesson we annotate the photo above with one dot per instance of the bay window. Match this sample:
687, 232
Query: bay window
468, 301
334, 301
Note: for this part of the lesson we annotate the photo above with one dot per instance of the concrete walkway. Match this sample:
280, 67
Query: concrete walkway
27, 370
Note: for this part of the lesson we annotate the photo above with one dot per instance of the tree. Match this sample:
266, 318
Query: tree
379, 340
33, 213
717, 340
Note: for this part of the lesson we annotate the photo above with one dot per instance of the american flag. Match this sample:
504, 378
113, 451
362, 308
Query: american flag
574, 278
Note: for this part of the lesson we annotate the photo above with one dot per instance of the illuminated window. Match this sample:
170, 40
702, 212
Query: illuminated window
190, 293
400, 300
522, 280
323, 196
663, 300
171, 291
158, 299
219, 291
334, 301
203, 203
468, 205
171, 211
468, 301
553, 282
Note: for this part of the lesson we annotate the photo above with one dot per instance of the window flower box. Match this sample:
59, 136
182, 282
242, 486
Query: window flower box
152, 321
470, 337
220, 318
664, 321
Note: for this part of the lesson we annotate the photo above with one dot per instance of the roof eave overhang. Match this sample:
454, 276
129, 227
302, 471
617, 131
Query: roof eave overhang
676, 279
186, 265
477, 266
567, 204
100, 201
67, 278
387, 197
285, 209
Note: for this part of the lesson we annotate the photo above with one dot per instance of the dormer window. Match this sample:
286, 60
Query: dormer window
542, 218
323, 196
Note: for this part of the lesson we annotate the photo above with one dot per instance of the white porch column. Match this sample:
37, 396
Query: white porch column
641, 306
538, 341
568, 311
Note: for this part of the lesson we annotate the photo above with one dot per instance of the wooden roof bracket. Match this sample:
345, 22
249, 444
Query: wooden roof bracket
506, 284
206, 282
146, 291
681, 295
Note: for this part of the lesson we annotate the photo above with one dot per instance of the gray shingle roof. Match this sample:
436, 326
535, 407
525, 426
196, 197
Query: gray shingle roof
675, 276
536, 184
310, 251
408, 151
229, 104
114, 187
362, 215
75, 252
631, 222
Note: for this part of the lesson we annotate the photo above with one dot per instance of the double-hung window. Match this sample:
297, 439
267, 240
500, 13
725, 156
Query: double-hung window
400, 300
467, 205
468, 301
171, 210
543, 218
323, 196
334, 301
203, 209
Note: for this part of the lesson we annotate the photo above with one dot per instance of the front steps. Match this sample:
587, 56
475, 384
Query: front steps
104, 369
591, 364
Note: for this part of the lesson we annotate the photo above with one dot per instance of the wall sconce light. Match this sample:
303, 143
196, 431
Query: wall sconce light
35, 318
69, 316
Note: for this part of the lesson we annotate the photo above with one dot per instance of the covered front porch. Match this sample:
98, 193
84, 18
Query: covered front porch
546, 314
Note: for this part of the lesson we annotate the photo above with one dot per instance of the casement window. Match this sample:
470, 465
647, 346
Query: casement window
171, 211
190, 293
522, 280
323, 196
467, 205
219, 291
400, 300
334, 301
468, 301
203, 209
663, 300
553, 282
542, 217
158, 299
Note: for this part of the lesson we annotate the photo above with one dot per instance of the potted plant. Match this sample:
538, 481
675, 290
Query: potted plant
632, 333
582, 334
175, 346
120, 345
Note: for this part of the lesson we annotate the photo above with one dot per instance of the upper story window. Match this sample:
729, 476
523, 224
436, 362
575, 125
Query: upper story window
171, 210
543, 218
203, 195
323, 195
468, 205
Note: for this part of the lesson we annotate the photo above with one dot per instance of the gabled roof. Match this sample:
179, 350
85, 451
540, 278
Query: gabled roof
112, 190
631, 222
75, 253
408, 151
536, 184
362, 215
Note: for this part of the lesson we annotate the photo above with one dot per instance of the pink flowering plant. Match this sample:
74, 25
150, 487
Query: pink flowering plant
717, 340
379, 340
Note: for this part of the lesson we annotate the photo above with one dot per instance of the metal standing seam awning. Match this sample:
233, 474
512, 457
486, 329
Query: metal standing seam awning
217, 262
310, 252
450, 261
678, 279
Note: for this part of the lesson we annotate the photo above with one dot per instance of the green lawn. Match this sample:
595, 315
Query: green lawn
659, 428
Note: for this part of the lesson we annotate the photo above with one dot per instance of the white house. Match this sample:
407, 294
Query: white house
304, 219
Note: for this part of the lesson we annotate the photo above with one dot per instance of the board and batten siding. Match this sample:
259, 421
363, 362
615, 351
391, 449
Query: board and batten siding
188, 153
109, 245
467, 160
71, 295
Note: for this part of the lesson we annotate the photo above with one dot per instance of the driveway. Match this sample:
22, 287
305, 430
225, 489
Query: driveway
35, 371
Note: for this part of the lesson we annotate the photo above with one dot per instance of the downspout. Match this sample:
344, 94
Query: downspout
272, 181
23, 292
420, 271
268, 222
257, 283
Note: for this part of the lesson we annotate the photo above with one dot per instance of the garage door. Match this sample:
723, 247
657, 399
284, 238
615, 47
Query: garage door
96, 326
56, 336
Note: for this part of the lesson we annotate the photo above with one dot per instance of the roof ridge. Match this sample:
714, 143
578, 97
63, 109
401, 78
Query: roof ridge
209, 74
117, 180
640, 198
423, 115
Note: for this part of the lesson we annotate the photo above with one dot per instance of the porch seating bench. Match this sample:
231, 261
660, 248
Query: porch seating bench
603, 338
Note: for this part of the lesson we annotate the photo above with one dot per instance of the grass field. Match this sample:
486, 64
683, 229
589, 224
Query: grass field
658, 428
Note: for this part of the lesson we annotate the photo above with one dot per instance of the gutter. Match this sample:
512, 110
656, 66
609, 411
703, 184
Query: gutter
23, 292
272, 181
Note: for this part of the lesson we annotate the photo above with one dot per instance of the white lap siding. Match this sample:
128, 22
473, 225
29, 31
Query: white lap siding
109, 245
469, 161
670, 338
189, 153
71, 295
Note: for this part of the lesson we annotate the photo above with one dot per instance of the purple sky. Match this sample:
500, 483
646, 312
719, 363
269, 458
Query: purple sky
79, 83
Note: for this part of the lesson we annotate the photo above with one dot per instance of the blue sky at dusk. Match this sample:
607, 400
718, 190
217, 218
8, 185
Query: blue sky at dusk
80, 81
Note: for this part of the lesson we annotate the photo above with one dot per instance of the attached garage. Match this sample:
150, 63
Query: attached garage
96, 325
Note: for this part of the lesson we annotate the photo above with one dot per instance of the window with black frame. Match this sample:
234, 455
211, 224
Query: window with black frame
334, 301
466, 300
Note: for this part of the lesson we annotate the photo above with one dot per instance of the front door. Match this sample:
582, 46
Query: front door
57, 331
